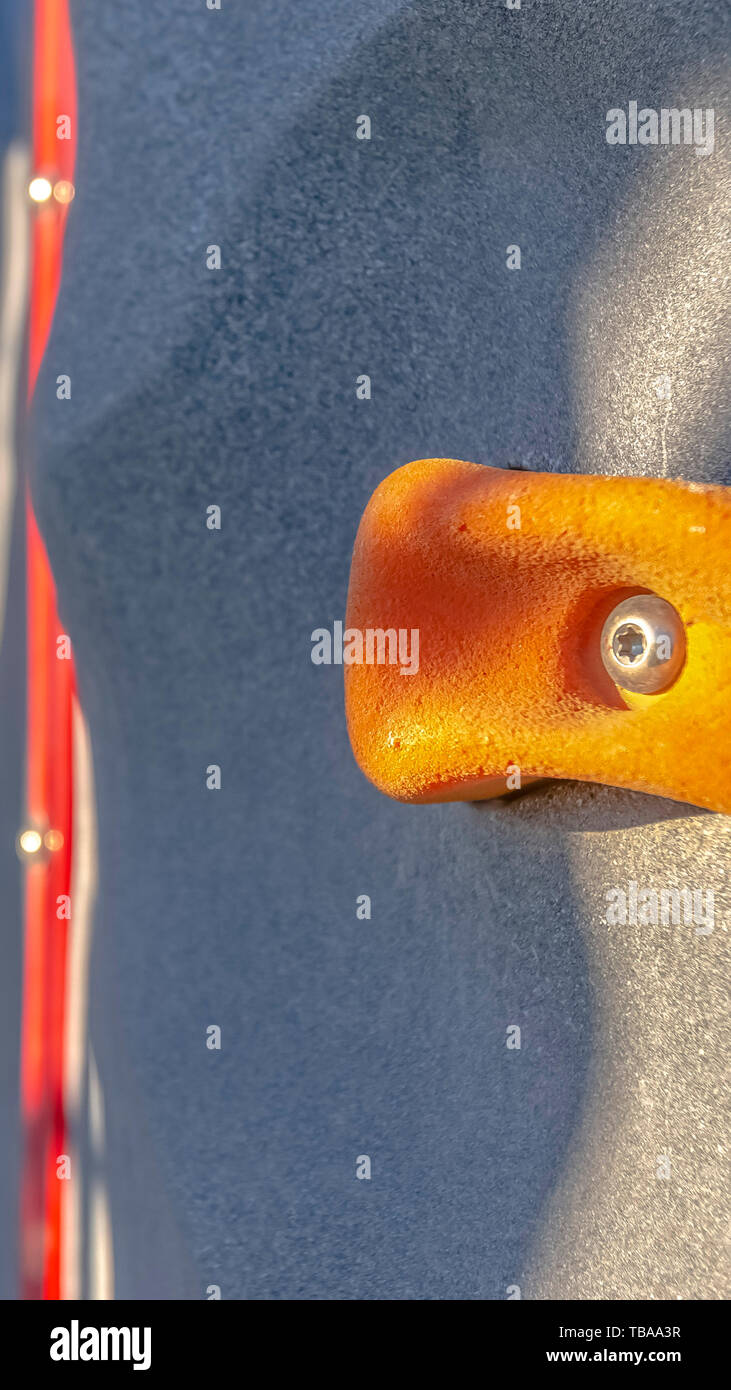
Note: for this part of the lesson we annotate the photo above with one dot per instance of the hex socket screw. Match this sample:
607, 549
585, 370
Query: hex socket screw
643, 644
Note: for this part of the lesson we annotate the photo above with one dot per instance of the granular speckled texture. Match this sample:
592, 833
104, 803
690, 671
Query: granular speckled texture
507, 581
386, 1037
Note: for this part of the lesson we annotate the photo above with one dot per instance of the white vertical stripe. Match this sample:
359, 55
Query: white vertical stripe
76, 1044
101, 1262
13, 298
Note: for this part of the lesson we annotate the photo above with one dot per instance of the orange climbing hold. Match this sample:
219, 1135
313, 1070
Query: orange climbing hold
507, 580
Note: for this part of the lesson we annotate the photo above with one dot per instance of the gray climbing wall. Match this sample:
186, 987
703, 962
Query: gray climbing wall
491, 1168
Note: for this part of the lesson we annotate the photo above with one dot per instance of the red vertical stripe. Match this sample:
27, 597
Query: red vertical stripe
48, 734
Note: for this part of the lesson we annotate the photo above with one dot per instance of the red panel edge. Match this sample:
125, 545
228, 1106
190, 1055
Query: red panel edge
50, 686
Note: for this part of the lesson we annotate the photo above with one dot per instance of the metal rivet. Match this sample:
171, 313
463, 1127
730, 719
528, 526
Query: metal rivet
40, 189
29, 842
643, 644
64, 191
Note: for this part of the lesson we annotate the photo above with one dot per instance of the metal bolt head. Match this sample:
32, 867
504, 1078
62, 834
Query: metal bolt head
28, 843
643, 644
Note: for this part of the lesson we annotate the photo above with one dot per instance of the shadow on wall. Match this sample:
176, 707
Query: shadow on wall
588, 806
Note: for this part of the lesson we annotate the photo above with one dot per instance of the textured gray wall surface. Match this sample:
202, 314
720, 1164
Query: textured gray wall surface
190, 387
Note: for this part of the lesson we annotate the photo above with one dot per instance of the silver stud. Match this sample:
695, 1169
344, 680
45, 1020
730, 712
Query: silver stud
29, 843
643, 644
